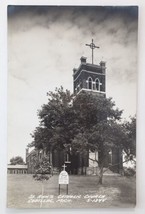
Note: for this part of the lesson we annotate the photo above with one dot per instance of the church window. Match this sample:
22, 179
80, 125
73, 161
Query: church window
90, 83
97, 84
67, 157
78, 88
110, 156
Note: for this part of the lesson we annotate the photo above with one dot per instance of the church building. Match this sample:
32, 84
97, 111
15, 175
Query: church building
91, 78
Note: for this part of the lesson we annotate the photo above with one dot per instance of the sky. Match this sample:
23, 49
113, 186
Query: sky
46, 43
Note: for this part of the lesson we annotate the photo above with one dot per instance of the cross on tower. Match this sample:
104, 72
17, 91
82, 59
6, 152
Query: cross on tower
64, 166
92, 46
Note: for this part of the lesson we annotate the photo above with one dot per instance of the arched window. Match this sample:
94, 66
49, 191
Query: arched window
97, 84
90, 83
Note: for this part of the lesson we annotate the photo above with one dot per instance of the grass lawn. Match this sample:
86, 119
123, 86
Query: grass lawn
116, 191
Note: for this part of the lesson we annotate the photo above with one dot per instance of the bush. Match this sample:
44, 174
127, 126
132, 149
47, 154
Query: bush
129, 171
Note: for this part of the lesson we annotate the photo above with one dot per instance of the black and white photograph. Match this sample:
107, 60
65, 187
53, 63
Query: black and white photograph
72, 98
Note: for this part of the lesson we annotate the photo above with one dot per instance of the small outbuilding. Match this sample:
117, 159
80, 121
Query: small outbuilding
17, 169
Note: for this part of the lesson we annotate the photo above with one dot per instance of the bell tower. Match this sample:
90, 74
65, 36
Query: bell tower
90, 78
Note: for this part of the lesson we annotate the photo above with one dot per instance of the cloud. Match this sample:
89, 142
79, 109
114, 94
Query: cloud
46, 43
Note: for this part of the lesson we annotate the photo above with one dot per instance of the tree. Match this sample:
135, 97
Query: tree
56, 128
130, 131
17, 160
99, 126
102, 130
42, 169
129, 146
42, 172
85, 123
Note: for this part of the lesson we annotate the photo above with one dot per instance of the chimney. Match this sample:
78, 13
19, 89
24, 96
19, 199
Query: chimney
83, 60
27, 152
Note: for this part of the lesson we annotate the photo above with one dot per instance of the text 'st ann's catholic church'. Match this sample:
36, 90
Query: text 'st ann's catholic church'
89, 78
